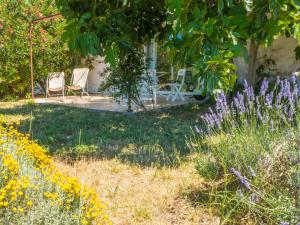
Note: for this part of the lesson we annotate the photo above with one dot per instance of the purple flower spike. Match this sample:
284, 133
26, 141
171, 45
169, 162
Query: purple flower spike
284, 223
245, 84
278, 81
242, 179
269, 99
264, 87
293, 79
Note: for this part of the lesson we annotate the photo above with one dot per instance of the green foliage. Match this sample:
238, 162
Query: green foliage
128, 77
272, 155
49, 52
214, 32
105, 28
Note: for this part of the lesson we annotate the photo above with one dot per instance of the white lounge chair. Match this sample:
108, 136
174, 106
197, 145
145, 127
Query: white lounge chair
79, 81
55, 83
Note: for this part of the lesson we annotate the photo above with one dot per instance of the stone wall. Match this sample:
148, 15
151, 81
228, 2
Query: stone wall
281, 51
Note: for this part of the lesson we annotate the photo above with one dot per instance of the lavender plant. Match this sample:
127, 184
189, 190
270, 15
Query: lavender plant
275, 106
253, 144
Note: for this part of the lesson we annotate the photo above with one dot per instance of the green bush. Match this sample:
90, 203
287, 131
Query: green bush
50, 54
250, 150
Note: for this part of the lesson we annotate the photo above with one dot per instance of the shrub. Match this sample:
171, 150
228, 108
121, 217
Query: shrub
50, 53
254, 146
33, 191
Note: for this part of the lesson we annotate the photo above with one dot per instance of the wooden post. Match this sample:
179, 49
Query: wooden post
31, 44
31, 60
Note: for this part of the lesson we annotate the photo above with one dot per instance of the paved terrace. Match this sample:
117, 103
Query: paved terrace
105, 103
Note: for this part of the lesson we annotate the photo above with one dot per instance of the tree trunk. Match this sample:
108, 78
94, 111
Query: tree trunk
251, 77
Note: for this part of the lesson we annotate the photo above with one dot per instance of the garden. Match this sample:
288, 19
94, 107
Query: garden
233, 159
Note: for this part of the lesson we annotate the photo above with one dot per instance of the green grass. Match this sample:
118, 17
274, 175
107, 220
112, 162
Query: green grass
148, 138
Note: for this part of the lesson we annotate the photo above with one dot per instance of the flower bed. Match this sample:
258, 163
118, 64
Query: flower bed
33, 191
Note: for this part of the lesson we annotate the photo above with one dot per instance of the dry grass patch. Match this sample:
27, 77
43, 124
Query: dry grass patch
143, 195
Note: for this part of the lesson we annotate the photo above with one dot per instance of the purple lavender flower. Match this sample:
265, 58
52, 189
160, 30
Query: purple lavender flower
246, 183
221, 104
291, 114
277, 81
217, 120
264, 87
286, 88
293, 79
284, 223
245, 84
269, 99
239, 103
242, 179
208, 119
278, 100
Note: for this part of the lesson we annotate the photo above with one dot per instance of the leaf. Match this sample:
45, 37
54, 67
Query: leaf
111, 54
296, 3
86, 16
220, 6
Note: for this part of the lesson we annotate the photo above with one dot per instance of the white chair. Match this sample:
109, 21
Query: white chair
79, 80
55, 83
176, 89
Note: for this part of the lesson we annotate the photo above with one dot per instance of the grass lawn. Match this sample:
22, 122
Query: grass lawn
140, 163
148, 138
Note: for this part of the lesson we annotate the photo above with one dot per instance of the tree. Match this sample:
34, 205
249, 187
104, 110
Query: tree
107, 28
214, 31
50, 53
128, 77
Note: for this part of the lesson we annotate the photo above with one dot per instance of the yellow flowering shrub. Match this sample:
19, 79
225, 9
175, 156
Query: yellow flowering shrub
33, 191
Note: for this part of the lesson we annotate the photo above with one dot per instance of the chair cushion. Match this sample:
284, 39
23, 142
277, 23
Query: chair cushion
55, 89
74, 88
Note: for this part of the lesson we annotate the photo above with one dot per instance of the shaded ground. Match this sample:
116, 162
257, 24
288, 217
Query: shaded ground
146, 138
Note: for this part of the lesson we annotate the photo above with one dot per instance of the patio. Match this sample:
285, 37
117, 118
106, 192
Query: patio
107, 103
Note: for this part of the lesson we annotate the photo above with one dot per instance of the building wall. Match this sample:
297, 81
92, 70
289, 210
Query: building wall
95, 79
281, 51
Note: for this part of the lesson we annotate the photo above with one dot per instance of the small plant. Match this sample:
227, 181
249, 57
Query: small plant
128, 77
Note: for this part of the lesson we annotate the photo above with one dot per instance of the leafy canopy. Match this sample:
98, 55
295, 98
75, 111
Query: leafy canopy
106, 28
215, 32
212, 32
